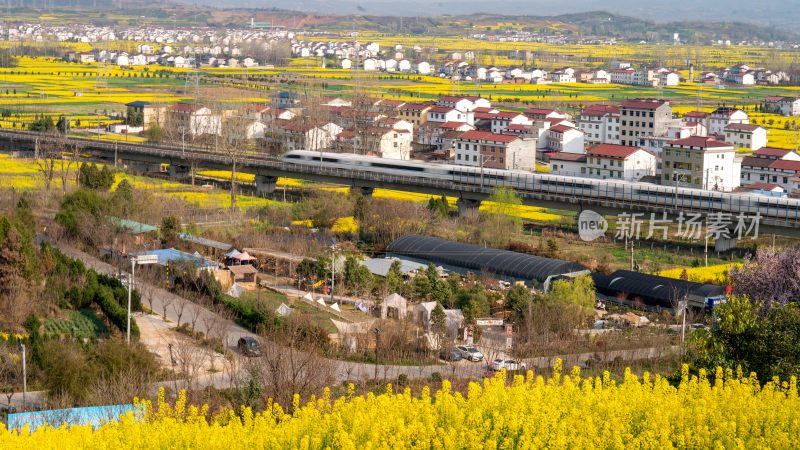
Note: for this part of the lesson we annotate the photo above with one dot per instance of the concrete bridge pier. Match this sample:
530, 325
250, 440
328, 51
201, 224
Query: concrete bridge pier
139, 167
366, 191
265, 184
178, 172
467, 204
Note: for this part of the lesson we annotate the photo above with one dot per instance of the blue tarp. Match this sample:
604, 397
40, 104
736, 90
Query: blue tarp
92, 415
166, 255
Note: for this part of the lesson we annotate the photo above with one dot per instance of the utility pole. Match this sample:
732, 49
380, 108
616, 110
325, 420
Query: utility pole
130, 289
706, 251
333, 270
24, 375
632, 254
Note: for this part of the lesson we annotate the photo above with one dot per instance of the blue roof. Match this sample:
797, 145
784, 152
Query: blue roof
166, 255
139, 103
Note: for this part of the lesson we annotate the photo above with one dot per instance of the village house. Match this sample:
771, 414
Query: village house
620, 162
772, 165
748, 136
308, 135
567, 164
600, 124
501, 120
563, 138
146, 114
786, 106
642, 118
416, 113
492, 150
193, 119
701, 162
724, 116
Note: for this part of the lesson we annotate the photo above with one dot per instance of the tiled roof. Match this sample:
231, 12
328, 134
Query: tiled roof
770, 152
566, 156
612, 151
782, 164
700, 141
561, 128
643, 103
487, 136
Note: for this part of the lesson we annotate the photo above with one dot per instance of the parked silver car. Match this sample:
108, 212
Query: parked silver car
470, 353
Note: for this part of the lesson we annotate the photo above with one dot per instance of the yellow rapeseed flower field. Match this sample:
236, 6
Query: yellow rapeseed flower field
720, 410
717, 274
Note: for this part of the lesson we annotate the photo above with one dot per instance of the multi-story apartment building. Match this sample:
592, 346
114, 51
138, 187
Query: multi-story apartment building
701, 162
600, 124
642, 118
497, 151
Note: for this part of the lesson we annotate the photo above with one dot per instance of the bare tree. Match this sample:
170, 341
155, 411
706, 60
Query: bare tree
48, 154
293, 364
190, 361
180, 308
120, 387
166, 301
10, 372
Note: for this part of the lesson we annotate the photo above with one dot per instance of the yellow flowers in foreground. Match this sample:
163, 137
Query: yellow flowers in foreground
564, 411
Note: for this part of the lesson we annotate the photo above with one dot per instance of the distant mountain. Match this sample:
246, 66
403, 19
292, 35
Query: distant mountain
783, 14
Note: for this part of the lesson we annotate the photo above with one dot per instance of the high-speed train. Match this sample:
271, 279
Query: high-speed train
624, 192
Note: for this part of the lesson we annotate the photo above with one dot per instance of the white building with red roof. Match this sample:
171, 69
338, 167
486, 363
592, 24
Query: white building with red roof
563, 138
724, 116
193, 119
567, 164
501, 120
701, 162
763, 167
545, 113
620, 162
744, 135
787, 106
497, 151
464, 103
600, 124
444, 114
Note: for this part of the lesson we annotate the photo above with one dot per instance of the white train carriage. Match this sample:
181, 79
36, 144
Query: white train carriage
652, 195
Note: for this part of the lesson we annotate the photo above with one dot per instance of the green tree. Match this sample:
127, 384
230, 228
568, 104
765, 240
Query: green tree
80, 211
394, 277
421, 285
170, 228
517, 299
441, 291
43, 124
439, 321
154, 133
35, 339
124, 199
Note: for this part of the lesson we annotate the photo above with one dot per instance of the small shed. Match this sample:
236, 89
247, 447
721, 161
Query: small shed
283, 310
244, 273
394, 306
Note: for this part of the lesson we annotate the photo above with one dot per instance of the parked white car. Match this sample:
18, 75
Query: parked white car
471, 353
508, 364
